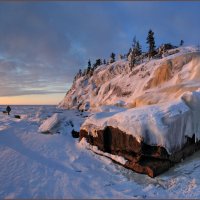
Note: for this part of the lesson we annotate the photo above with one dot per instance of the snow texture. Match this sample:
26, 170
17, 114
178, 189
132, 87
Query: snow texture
55, 166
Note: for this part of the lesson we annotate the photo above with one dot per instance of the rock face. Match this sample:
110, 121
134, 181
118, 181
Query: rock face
150, 82
141, 157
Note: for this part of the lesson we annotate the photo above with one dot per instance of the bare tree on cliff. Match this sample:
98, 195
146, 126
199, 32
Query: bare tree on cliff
131, 59
151, 42
134, 52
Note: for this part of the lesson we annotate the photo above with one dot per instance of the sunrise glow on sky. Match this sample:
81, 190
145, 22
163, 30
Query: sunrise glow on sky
44, 44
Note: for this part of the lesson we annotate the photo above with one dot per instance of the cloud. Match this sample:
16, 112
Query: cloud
43, 45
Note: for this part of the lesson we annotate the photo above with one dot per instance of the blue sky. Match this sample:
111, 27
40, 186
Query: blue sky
43, 44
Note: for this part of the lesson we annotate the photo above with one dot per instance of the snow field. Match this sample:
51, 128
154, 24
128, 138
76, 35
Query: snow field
35, 165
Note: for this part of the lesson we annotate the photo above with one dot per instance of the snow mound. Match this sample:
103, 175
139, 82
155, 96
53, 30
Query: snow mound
167, 124
49, 123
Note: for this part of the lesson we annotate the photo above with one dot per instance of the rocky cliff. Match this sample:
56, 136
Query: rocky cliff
148, 115
151, 82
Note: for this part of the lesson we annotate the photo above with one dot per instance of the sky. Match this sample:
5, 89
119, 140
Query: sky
44, 44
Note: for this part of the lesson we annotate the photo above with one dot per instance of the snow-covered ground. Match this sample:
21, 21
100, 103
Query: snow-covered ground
55, 165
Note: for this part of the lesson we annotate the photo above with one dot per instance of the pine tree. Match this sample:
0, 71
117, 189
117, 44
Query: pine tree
112, 58
75, 78
89, 63
79, 73
138, 49
129, 51
88, 69
151, 42
134, 50
181, 43
134, 43
98, 63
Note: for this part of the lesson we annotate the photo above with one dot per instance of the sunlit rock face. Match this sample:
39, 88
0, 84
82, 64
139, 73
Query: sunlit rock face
149, 82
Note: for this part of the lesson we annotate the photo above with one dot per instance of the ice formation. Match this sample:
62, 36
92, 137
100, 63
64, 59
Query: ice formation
49, 123
167, 124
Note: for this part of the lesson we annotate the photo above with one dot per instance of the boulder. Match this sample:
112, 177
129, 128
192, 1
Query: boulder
150, 166
141, 157
17, 116
75, 134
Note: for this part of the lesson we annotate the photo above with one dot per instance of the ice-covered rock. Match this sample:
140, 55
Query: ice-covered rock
149, 134
192, 99
163, 125
49, 123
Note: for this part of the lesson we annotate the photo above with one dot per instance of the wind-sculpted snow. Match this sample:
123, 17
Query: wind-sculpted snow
167, 124
151, 82
57, 166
